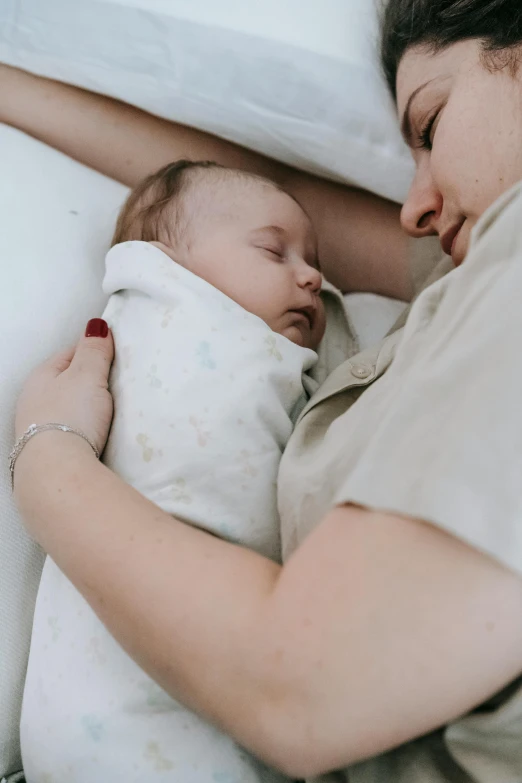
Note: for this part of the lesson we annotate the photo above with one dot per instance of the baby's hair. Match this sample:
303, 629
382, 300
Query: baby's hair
154, 209
143, 216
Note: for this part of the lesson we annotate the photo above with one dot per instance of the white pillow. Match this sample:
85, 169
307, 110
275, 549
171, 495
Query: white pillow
56, 219
296, 80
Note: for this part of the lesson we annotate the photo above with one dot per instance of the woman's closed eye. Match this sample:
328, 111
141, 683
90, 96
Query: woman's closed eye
427, 132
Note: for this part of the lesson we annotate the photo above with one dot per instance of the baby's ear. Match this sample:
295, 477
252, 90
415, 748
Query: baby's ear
165, 248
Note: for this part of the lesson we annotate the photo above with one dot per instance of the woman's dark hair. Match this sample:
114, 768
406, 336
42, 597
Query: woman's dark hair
437, 24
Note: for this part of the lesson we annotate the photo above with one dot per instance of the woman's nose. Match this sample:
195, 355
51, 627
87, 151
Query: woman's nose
421, 212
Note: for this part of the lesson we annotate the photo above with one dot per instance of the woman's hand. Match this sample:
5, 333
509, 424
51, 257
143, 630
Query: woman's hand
72, 388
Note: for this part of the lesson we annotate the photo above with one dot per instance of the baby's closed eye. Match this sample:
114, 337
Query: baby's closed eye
274, 252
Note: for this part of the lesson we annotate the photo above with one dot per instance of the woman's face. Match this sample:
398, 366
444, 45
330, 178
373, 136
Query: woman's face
464, 126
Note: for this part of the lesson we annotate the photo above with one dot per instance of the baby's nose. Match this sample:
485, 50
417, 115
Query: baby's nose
312, 278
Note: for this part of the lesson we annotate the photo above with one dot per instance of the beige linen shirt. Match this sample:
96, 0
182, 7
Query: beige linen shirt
428, 424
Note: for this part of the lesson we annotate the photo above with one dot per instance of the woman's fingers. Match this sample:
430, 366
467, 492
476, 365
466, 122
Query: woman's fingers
59, 362
95, 351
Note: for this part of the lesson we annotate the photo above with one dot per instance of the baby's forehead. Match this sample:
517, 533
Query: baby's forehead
220, 189
251, 200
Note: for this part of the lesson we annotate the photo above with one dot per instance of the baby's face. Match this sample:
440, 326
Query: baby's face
258, 247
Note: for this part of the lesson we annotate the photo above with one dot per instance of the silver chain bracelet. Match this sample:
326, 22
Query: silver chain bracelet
33, 430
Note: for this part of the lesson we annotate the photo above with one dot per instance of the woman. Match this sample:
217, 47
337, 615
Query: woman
390, 642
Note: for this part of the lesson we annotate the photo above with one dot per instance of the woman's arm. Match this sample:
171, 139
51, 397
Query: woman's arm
361, 244
379, 629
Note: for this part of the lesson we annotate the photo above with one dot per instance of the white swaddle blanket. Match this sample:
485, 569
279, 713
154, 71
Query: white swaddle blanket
205, 398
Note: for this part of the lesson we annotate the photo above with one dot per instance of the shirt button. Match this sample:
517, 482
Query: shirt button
361, 371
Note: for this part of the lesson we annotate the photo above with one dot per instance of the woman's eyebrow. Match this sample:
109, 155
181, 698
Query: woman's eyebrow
406, 118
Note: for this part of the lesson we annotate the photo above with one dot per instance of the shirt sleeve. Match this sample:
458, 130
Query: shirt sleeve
445, 445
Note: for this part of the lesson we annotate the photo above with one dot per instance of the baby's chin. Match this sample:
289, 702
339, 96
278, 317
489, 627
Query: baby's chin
299, 337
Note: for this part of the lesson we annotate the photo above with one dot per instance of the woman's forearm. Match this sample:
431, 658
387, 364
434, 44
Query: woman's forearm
112, 137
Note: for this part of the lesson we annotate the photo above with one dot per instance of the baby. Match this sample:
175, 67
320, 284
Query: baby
226, 226
216, 312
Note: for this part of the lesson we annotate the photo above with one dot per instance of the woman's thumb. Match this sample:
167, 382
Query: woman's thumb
95, 351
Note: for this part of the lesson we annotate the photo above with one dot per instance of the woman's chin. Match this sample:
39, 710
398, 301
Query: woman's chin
460, 250
459, 256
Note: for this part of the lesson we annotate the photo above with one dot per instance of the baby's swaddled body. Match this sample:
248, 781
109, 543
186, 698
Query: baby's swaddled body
205, 398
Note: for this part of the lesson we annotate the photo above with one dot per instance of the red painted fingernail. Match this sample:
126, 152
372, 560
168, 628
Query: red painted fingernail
97, 327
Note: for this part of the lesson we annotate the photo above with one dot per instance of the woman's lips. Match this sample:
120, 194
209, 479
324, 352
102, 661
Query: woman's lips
449, 241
